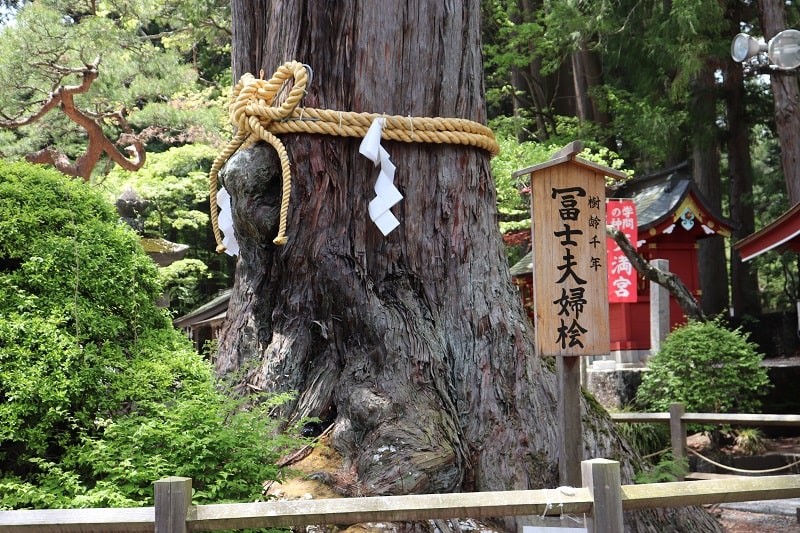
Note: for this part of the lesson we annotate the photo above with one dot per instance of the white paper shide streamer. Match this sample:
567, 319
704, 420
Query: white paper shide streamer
225, 221
386, 194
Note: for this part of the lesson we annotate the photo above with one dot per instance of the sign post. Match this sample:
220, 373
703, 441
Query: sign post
570, 282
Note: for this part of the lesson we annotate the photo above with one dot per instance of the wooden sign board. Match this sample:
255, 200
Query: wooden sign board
570, 283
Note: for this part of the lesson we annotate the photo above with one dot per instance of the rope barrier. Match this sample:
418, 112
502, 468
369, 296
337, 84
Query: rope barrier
659, 452
257, 115
740, 470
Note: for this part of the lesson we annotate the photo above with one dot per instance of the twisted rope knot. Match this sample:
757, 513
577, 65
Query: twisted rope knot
259, 111
256, 97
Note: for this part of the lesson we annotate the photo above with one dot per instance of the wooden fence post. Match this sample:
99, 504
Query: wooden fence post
677, 432
173, 497
602, 478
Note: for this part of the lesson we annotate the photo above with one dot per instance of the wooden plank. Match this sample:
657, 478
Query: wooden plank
388, 508
689, 493
656, 418
696, 476
742, 419
129, 520
602, 478
711, 418
677, 432
416, 507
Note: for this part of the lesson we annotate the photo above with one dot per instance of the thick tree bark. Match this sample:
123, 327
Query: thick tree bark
705, 169
744, 283
786, 93
416, 343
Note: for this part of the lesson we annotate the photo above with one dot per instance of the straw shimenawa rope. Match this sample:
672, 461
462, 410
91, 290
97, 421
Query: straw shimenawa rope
255, 112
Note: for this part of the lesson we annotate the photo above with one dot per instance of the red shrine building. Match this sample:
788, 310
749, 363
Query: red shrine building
672, 216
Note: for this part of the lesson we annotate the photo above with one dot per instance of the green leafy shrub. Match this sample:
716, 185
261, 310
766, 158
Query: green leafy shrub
99, 395
647, 439
708, 368
666, 470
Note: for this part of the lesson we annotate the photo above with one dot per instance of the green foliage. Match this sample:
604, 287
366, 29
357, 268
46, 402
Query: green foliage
668, 469
100, 395
708, 368
647, 439
647, 55
175, 185
513, 207
150, 55
196, 116
225, 446
182, 281
750, 441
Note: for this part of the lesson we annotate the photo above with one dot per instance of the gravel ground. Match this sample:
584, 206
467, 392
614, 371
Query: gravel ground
744, 522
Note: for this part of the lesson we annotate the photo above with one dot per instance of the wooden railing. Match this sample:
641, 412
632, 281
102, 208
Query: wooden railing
678, 418
602, 499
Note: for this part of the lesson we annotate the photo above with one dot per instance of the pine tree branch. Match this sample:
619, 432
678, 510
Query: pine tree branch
98, 143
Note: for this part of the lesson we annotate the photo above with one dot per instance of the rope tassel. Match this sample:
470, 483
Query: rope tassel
254, 112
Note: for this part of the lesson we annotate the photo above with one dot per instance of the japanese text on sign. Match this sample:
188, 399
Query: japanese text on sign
569, 266
570, 303
621, 214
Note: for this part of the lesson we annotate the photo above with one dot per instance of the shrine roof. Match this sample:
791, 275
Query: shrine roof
523, 267
659, 195
205, 312
782, 234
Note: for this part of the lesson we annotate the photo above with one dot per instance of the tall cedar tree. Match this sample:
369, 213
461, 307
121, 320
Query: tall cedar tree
416, 344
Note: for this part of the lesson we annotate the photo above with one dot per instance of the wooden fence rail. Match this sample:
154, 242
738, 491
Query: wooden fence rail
602, 499
678, 418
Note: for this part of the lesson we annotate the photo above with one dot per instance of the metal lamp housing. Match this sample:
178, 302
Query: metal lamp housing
784, 50
745, 46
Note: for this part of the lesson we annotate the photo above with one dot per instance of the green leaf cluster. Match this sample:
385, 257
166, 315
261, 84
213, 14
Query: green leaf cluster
707, 367
175, 185
513, 206
150, 54
100, 395
668, 469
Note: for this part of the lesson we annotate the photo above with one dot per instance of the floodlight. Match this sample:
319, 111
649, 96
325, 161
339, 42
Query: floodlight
784, 50
745, 46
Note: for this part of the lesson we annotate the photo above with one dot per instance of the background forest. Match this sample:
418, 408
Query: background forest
130, 96
645, 85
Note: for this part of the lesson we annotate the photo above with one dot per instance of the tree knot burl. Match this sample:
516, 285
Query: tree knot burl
260, 109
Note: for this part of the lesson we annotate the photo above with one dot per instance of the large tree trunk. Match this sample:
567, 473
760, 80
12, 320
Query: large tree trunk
744, 283
415, 343
705, 169
786, 93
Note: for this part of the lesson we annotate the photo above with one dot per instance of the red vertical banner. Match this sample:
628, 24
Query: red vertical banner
621, 214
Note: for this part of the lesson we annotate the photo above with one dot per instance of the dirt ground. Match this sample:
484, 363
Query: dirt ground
742, 522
